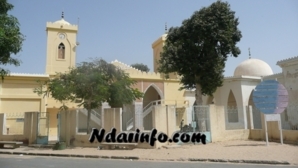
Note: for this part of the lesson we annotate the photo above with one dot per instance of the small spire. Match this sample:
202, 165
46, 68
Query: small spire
249, 53
166, 29
62, 15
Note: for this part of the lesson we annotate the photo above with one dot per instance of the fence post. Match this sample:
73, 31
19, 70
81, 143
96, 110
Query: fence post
250, 118
2, 124
138, 116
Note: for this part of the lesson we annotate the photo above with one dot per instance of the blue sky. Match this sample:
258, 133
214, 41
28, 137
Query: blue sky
125, 29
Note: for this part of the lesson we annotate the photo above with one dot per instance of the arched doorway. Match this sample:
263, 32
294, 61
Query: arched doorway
152, 93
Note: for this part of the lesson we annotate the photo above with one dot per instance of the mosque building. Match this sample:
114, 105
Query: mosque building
17, 97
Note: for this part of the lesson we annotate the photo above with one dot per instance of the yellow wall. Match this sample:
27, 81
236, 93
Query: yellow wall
17, 97
157, 47
172, 92
18, 88
20, 105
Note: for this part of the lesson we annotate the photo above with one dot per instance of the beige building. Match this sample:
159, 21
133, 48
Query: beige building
17, 97
17, 94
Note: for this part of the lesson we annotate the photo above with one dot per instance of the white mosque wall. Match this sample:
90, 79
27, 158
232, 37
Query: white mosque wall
221, 99
241, 87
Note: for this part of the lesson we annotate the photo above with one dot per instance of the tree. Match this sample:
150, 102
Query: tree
11, 38
90, 84
198, 49
141, 67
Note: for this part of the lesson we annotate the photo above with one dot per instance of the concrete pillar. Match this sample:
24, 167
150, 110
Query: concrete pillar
244, 115
171, 120
217, 122
263, 126
104, 106
2, 124
31, 126
159, 122
250, 120
68, 127
113, 118
189, 114
138, 116
71, 127
28, 126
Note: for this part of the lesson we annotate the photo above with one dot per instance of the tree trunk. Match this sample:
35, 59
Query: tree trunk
88, 120
200, 114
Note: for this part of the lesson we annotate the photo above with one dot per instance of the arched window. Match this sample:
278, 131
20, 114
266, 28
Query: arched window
61, 51
232, 108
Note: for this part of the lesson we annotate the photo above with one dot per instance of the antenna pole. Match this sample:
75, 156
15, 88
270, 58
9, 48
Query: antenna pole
78, 21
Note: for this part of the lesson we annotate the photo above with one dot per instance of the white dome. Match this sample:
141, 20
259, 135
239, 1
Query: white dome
253, 67
62, 22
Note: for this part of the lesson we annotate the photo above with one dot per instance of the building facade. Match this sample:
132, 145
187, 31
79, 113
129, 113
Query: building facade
17, 96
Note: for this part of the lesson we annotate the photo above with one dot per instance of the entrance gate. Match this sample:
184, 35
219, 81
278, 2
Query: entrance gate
42, 128
200, 122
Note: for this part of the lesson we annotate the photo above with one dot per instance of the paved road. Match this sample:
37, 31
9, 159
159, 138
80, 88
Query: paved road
15, 161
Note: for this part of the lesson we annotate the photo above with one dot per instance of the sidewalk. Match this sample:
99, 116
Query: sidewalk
233, 151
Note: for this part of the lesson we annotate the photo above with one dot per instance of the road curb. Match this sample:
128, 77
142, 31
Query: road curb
137, 158
242, 161
71, 155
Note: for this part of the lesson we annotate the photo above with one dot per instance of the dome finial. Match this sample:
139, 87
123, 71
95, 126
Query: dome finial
62, 16
249, 53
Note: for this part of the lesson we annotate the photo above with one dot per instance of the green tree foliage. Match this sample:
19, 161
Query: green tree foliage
141, 67
11, 38
199, 48
90, 84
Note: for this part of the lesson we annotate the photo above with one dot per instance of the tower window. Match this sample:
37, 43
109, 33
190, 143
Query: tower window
61, 51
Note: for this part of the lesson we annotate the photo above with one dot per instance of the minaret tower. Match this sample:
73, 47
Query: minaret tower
61, 46
157, 47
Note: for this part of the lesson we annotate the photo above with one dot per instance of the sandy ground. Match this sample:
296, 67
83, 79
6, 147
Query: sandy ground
237, 150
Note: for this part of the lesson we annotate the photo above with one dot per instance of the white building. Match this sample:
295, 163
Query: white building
236, 93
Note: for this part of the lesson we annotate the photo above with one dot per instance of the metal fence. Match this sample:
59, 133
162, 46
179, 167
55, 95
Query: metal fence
138, 116
289, 118
127, 117
200, 116
256, 117
234, 117
232, 114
